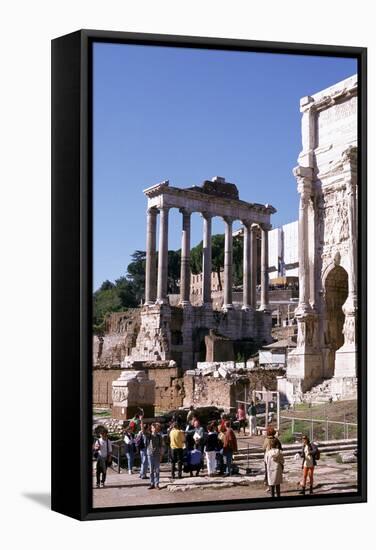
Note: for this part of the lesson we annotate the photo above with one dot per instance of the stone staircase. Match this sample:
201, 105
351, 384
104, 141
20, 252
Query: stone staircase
319, 393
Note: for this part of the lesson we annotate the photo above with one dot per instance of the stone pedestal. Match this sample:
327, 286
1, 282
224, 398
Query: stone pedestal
131, 391
304, 363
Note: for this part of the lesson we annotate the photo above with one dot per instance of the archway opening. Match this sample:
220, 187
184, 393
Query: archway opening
336, 292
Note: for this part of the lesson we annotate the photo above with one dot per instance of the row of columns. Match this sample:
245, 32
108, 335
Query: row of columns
156, 291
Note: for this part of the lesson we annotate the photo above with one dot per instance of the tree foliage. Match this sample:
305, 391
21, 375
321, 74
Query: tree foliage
218, 258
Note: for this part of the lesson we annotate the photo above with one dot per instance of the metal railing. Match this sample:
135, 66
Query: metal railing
326, 424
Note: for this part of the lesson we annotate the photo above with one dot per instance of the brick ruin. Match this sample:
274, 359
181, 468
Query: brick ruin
219, 381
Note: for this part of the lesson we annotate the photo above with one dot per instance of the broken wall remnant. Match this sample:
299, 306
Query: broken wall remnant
118, 338
218, 348
223, 385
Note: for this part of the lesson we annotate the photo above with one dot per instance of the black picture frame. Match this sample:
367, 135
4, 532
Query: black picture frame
72, 271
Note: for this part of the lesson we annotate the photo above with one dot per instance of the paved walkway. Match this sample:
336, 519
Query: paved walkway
124, 489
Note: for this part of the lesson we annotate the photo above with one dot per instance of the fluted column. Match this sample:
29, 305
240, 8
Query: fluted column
247, 266
206, 258
227, 292
151, 271
185, 271
304, 188
264, 267
254, 230
350, 306
163, 256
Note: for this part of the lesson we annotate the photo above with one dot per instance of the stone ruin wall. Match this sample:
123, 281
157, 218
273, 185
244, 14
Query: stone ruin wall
102, 386
119, 337
203, 391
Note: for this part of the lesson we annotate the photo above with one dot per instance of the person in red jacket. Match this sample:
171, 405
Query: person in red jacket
229, 447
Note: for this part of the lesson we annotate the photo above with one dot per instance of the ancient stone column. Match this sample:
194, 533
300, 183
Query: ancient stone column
351, 304
151, 268
264, 305
163, 256
227, 291
304, 188
185, 271
247, 265
254, 231
206, 258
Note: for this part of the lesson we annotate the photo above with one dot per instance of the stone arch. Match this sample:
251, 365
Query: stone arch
335, 284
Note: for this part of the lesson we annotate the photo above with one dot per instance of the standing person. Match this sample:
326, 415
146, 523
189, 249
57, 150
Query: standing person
219, 455
154, 451
267, 445
141, 442
103, 450
195, 434
309, 454
177, 439
252, 413
229, 447
191, 414
129, 448
241, 418
274, 461
211, 448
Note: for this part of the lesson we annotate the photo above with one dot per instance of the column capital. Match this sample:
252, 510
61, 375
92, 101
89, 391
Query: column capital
207, 215
163, 208
185, 211
247, 223
265, 226
152, 211
228, 219
304, 177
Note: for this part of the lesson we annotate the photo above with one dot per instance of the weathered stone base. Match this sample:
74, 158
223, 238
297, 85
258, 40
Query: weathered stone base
346, 363
130, 391
344, 387
304, 369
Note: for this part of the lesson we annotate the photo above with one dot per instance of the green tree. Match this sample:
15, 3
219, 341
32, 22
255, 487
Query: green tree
136, 274
104, 302
174, 260
126, 292
218, 256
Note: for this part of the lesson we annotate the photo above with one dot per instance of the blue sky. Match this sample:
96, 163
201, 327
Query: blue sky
187, 115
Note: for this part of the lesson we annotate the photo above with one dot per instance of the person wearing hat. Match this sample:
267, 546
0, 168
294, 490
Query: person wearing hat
267, 445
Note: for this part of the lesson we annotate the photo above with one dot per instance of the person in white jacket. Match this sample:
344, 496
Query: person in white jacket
274, 464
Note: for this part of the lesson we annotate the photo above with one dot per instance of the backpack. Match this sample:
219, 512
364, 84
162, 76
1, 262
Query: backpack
315, 452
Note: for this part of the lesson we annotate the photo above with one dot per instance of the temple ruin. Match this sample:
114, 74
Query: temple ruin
178, 332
